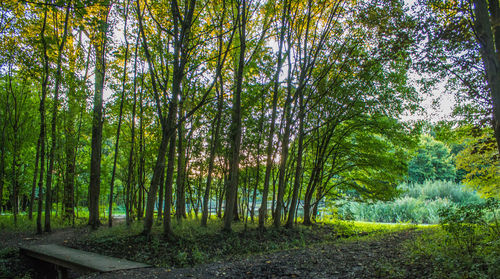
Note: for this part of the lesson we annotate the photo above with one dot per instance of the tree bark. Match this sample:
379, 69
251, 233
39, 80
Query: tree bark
213, 149
235, 132
298, 168
489, 55
41, 109
2, 166
122, 99
97, 121
33, 185
69, 185
130, 172
167, 219
270, 137
50, 170
287, 115
180, 203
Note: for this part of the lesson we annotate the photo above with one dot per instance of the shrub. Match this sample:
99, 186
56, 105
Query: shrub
420, 203
466, 245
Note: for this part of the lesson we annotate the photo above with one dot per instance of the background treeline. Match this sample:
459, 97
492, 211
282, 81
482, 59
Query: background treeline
435, 181
238, 109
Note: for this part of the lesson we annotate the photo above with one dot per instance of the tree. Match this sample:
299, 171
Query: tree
235, 128
461, 46
100, 43
48, 198
489, 45
433, 161
122, 100
481, 162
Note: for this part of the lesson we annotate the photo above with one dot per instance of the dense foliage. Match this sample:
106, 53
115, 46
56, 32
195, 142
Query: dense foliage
419, 203
190, 106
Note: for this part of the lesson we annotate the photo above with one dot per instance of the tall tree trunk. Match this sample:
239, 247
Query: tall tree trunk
15, 186
97, 120
50, 170
214, 144
45, 80
122, 99
69, 185
140, 166
319, 195
167, 219
298, 168
161, 195
180, 204
489, 55
33, 185
130, 172
257, 175
167, 124
235, 132
2, 166
287, 115
270, 137
213, 149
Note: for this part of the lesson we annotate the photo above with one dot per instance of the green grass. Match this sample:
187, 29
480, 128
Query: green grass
466, 244
23, 223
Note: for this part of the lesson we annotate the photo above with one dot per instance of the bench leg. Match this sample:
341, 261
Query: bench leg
62, 273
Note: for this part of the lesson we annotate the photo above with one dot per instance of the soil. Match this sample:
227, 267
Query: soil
369, 257
372, 258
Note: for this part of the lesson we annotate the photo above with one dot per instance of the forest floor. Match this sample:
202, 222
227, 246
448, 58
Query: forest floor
382, 257
321, 251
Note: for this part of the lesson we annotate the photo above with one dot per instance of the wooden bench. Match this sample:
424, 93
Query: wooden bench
64, 258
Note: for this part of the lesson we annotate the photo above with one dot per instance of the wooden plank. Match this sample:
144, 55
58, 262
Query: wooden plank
77, 259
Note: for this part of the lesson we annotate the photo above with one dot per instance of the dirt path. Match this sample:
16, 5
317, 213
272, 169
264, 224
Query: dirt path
12, 265
57, 236
351, 259
15, 240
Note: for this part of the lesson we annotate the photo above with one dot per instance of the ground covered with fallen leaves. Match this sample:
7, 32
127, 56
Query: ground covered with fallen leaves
339, 250
362, 257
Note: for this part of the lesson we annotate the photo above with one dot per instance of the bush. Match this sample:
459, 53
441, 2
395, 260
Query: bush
466, 245
420, 203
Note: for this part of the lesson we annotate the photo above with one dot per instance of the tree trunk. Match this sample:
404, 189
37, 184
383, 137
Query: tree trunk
235, 129
489, 55
97, 122
15, 186
298, 168
130, 172
270, 137
213, 149
157, 172
180, 204
284, 157
122, 99
161, 195
2, 166
167, 124
45, 80
33, 185
167, 219
69, 184
50, 170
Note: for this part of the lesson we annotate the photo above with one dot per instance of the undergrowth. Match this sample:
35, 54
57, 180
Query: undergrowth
194, 244
465, 245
